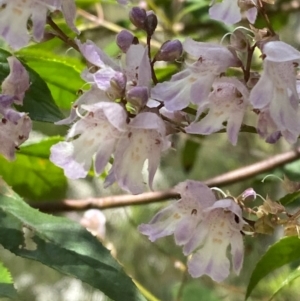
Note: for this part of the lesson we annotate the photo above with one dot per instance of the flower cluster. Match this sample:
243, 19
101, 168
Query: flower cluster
14, 126
106, 128
205, 227
226, 99
275, 94
127, 115
15, 33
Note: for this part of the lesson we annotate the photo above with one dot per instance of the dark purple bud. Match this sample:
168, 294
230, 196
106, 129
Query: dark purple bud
150, 23
138, 96
138, 17
124, 39
169, 51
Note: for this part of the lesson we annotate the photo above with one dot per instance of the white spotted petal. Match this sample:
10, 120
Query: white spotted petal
99, 131
221, 227
144, 140
227, 102
182, 217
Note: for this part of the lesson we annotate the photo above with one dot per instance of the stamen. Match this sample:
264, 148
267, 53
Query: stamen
219, 190
274, 176
78, 113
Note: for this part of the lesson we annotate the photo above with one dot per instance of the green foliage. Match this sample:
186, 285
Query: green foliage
292, 277
62, 74
189, 154
282, 252
195, 291
7, 288
38, 101
62, 245
289, 198
292, 170
32, 175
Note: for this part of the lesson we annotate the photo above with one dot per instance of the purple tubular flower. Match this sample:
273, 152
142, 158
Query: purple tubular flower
95, 55
144, 140
68, 9
221, 225
204, 227
194, 83
138, 69
14, 126
275, 94
229, 11
16, 34
182, 217
99, 132
13, 134
227, 102
17, 82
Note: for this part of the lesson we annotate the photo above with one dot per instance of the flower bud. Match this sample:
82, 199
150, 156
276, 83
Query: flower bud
138, 17
124, 39
169, 51
239, 41
150, 23
118, 84
138, 96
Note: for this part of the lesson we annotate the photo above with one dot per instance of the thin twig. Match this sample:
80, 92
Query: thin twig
248, 63
261, 9
61, 35
228, 178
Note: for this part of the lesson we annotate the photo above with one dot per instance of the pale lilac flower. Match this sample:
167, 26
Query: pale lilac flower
182, 217
20, 11
221, 226
275, 93
268, 129
17, 82
13, 134
113, 78
89, 97
227, 102
137, 66
99, 131
94, 221
193, 84
14, 126
144, 140
230, 11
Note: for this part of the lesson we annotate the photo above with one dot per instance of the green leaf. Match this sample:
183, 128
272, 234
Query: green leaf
38, 101
283, 252
195, 291
189, 154
63, 245
33, 175
293, 276
289, 198
62, 74
7, 288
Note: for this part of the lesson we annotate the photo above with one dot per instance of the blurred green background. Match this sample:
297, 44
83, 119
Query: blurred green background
158, 267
